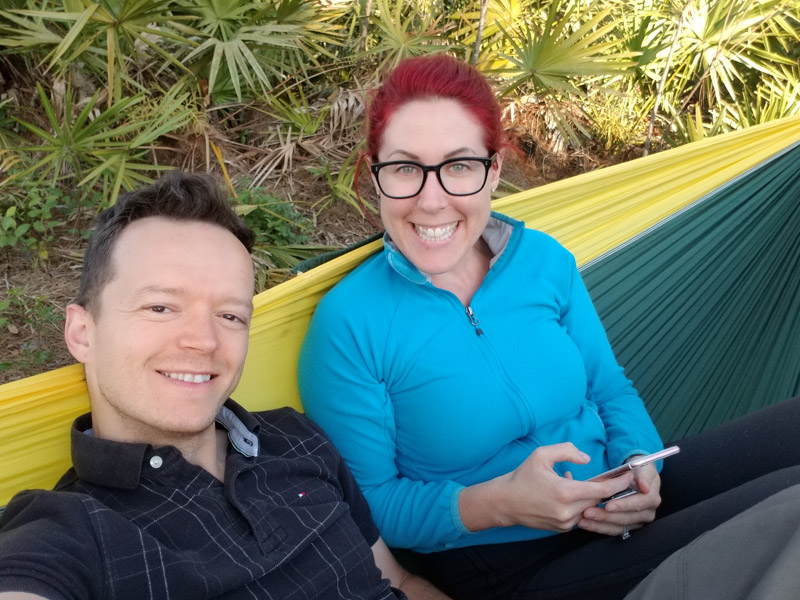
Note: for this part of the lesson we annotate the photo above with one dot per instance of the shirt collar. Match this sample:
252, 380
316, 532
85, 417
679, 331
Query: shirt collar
119, 464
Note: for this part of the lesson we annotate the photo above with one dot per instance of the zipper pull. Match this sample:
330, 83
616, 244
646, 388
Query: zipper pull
474, 320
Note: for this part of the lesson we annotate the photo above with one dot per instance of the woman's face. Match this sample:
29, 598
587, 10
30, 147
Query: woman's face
436, 231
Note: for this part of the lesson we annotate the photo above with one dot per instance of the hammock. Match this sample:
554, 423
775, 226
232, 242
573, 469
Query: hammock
692, 256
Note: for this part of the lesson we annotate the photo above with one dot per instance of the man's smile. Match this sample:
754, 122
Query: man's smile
188, 377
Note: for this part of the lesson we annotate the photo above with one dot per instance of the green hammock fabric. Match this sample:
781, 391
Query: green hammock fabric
704, 309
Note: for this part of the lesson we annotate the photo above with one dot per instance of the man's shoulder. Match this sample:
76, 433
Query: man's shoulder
48, 545
53, 504
283, 419
68, 507
286, 427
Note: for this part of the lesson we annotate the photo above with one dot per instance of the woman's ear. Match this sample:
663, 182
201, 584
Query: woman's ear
77, 330
368, 162
494, 171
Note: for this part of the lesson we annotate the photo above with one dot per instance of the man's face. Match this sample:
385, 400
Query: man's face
169, 341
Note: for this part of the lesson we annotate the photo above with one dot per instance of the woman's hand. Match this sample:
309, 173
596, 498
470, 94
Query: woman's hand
534, 495
634, 511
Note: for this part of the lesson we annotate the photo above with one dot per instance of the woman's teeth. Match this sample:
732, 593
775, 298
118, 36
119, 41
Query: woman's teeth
435, 234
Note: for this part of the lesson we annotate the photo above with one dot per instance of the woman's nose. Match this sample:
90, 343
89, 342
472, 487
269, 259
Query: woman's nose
432, 197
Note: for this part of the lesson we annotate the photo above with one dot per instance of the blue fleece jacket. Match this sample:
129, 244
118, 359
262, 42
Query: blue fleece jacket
424, 397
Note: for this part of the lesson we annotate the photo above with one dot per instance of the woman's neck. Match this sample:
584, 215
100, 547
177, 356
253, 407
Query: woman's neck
467, 277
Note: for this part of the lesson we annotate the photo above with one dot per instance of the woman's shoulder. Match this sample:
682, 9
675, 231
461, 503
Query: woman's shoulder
367, 279
542, 240
367, 288
538, 247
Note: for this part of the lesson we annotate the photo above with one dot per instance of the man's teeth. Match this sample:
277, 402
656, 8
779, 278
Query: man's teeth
435, 234
191, 378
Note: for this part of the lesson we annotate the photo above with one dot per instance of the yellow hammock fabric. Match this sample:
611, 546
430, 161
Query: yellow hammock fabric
590, 214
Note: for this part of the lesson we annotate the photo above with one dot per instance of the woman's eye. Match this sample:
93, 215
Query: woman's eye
406, 169
159, 309
458, 168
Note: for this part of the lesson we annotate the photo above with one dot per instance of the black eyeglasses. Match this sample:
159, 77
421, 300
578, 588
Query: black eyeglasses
462, 176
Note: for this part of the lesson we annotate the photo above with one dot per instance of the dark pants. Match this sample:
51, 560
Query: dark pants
718, 474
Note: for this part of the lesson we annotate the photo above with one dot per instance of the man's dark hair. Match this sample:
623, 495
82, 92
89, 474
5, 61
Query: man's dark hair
177, 196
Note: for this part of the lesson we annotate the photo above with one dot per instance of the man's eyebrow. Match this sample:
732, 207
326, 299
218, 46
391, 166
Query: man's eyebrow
178, 291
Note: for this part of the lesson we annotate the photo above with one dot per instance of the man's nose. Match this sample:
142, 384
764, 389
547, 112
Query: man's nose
199, 332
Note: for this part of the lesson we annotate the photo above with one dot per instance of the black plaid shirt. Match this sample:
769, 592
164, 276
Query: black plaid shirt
133, 521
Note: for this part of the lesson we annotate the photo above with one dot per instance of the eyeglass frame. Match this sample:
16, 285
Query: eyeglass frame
487, 163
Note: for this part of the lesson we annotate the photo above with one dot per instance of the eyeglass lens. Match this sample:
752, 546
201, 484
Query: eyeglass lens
460, 177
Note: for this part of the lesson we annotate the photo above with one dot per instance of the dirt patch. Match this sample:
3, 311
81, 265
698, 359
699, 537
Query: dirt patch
31, 335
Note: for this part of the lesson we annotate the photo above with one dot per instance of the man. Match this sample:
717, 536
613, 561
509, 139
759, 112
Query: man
175, 490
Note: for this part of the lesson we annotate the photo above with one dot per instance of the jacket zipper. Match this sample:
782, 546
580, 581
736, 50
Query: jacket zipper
474, 320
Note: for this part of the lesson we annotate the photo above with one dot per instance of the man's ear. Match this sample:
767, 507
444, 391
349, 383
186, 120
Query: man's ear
76, 332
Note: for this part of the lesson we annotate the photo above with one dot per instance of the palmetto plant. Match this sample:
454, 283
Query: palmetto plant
107, 147
721, 56
110, 38
272, 86
555, 58
405, 28
728, 42
255, 43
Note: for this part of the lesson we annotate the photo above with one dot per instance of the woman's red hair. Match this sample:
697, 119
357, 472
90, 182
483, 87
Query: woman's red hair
436, 76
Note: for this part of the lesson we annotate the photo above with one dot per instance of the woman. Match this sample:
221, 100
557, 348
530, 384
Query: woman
469, 384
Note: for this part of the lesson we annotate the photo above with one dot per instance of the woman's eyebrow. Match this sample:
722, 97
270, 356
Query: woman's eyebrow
464, 150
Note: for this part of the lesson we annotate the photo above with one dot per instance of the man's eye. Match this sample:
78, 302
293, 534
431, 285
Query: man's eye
234, 318
159, 309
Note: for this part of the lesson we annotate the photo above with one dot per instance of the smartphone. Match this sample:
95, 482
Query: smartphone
639, 461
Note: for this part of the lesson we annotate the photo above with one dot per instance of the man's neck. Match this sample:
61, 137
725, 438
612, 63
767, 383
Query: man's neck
207, 449
209, 453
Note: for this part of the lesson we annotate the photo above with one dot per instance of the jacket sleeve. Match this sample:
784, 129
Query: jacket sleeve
629, 428
47, 547
342, 391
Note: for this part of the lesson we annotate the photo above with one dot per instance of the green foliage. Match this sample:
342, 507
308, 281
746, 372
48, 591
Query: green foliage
254, 43
341, 182
283, 234
104, 36
29, 225
406, 28
295, 113
616, 123
555, 58
107, 147
34, 317
274, 221
21, 310
723, 56
14, 232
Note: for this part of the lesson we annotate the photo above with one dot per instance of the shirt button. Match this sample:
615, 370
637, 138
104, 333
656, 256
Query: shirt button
156, 462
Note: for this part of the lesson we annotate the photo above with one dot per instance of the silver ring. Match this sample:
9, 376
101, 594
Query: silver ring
625, 533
